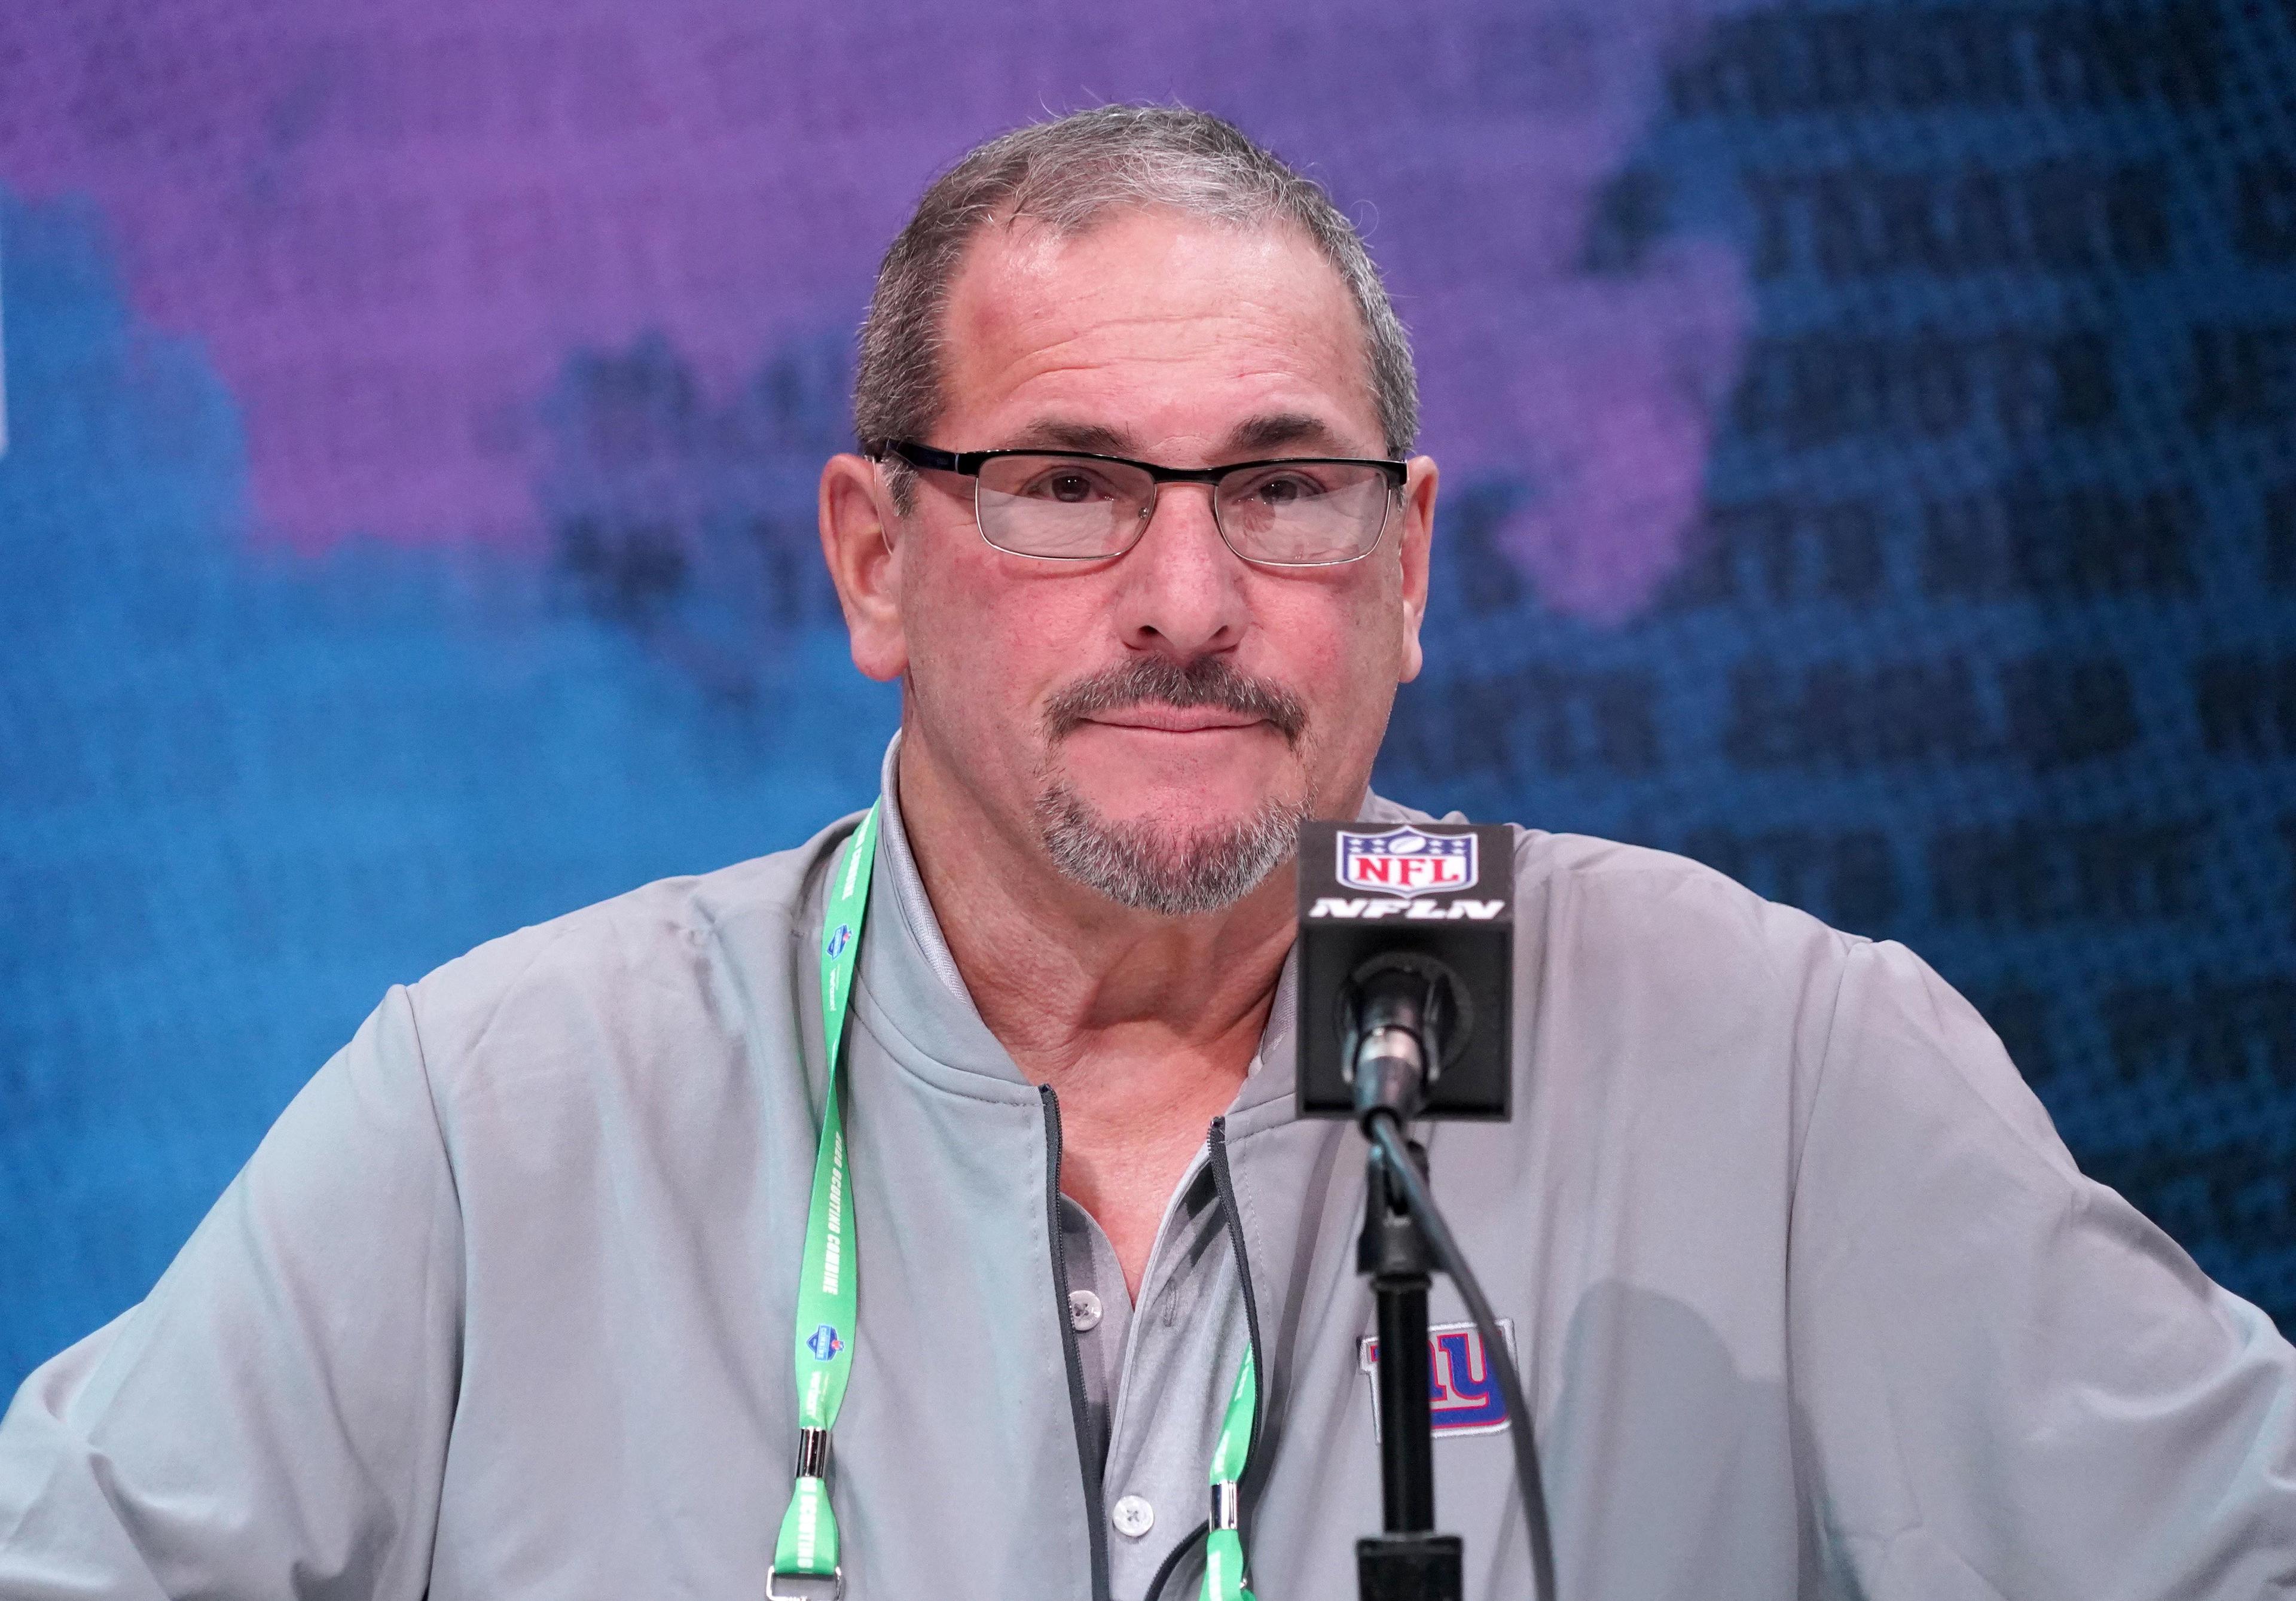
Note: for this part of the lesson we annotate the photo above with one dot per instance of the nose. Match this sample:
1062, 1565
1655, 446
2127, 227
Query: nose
1182, 588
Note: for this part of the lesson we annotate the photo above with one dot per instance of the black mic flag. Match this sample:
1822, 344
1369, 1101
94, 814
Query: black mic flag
1427, 906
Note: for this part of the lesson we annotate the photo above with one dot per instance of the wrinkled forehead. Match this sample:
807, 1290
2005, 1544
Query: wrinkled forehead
1159, 307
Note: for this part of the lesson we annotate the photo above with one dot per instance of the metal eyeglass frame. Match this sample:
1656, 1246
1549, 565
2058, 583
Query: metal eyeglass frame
969, 463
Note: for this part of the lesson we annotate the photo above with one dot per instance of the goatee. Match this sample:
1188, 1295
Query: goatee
1140, 866
1138, 863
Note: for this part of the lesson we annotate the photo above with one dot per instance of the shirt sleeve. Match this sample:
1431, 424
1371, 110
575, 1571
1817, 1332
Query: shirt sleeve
272, 1419
2008, 1383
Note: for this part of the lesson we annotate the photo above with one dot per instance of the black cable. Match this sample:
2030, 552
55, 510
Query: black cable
1385, 1130
1171, 1561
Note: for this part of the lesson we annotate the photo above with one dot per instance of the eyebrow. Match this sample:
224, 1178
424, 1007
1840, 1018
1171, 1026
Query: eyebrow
1060, 433
1272, 430
1284, 430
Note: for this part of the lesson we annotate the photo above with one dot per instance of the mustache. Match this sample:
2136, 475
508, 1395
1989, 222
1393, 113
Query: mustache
1207, 681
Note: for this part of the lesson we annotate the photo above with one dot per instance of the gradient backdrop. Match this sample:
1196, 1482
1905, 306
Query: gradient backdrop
1867, 439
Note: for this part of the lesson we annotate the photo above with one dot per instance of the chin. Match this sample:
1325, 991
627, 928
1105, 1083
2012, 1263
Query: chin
1179, 797
1177, 859
1175, 812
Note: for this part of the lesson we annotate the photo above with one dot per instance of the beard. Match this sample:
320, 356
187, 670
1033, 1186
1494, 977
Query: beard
1152, 869
1149, 866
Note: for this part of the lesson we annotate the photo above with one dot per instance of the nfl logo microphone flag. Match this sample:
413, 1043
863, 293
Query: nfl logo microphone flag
1414, 895
1408, 861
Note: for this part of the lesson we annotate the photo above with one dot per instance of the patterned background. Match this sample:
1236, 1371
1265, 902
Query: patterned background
1870, 448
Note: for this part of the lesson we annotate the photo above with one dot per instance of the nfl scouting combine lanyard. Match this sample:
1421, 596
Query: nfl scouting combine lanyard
806, 1550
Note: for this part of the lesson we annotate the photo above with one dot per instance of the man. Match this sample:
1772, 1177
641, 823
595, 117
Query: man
1808, 1297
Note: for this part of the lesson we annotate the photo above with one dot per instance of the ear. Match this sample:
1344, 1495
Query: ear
860, 540
1412, 551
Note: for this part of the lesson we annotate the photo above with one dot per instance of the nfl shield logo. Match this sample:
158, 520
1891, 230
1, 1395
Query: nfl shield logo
825, 1343
1408, 861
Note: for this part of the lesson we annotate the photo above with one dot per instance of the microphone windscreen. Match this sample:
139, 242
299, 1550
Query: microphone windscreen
1380, 894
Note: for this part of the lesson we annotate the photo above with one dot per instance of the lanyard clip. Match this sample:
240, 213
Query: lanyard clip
813, 1453
806, 1587
1227, 1504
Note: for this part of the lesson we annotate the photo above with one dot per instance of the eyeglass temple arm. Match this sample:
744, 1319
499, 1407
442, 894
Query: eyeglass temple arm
917, 455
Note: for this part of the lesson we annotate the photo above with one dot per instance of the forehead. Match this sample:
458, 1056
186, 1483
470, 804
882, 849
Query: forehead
1166, 327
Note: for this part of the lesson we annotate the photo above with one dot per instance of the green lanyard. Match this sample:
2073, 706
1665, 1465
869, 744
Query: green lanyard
825, 1302
1223, 1578
823, 1345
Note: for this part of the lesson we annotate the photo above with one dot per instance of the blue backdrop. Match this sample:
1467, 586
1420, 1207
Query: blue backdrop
1868, 433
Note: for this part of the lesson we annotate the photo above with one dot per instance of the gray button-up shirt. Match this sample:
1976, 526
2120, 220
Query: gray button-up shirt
1810, 1300
1156, 1376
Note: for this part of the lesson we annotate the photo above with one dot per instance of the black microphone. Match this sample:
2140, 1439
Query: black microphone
1396, 1030
1407, 987
1406, 970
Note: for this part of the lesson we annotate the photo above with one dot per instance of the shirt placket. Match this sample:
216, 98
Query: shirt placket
1176, 1362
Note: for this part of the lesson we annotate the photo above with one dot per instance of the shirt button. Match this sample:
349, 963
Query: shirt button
1084, 1312
1132, 1516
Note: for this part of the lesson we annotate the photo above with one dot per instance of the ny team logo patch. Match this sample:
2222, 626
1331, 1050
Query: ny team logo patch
1407, 861
1464, 1388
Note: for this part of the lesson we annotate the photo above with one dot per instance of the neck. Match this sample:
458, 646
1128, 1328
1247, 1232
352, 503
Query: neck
1059, 971
1144, 1025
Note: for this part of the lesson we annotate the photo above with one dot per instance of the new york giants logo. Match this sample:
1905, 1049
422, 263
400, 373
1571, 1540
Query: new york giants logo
1463, 1388
1408, 861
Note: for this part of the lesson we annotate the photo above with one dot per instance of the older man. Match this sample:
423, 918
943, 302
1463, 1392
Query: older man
963, 1134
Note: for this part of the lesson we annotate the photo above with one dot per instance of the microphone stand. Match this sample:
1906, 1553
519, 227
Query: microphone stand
1409, 1561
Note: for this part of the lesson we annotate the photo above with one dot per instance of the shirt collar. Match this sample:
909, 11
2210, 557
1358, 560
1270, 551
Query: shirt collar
915, 979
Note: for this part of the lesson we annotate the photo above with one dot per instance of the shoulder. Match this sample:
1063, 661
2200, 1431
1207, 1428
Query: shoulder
1668, 905
1633, 907
1663, 959
1714, 974
1648, 975
650, 966
1679, 924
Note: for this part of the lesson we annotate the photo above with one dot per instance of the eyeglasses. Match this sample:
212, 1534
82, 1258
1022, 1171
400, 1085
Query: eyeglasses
1070, 506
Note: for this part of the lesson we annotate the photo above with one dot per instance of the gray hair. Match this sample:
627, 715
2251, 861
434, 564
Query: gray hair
1067, 175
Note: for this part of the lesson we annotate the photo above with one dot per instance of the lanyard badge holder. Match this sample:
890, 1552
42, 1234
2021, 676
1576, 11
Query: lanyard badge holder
806, 1565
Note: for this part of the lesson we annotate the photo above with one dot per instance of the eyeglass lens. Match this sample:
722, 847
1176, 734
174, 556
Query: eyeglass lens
1294, 513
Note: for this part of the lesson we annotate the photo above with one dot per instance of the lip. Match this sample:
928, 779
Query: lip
1174, 719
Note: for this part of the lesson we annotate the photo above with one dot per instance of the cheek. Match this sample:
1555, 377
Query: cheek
1340, 646
945, 595
985, 641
